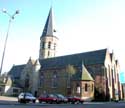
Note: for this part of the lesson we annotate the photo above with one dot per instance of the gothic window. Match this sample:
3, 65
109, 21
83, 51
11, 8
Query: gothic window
54, 46
115, 74
109, 75
41, 82
54, 80
27, 81
49, 45
48, 53
86, 87
68, 83
43, 45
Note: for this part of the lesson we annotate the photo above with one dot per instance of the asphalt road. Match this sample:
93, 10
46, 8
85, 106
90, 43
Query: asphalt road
9, 102
85, 105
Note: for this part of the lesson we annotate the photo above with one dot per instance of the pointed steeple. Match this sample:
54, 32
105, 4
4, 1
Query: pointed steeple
48, 28
48, 40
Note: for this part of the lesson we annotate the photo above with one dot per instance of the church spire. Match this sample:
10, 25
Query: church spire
48, 28
48, 41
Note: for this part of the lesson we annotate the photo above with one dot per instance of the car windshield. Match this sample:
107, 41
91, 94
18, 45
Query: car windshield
51, 95
29, 94
59, 95
21, 94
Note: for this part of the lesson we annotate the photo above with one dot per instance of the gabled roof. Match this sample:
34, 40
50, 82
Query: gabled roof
83, 75
92, 57
48, 28
16, 70
32, 61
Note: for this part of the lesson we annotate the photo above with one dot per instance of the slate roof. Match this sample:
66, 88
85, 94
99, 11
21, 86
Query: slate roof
48, 28
16, 70
92, 57
83, 75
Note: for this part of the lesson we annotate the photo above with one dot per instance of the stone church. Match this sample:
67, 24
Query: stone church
92, 75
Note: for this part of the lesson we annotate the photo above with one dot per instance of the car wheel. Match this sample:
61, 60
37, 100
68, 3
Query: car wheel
22, 101
81, 102
18, 100
40, 101
34, 101
73, 102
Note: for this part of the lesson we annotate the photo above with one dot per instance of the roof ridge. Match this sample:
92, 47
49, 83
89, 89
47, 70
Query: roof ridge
76, 54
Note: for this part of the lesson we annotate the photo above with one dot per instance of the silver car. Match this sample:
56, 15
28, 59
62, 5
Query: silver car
26, 97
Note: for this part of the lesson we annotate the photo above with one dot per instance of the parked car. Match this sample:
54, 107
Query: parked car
26, 97
74, 99
48, 98
61, 98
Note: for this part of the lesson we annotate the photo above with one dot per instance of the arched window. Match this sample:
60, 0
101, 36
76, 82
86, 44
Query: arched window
49, 45
41, 81
27, 80
43, 45
86, 87
109, 74
48, 53
54, 46
54, 80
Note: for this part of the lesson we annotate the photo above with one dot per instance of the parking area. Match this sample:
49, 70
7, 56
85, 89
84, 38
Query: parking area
4, 98
8, 100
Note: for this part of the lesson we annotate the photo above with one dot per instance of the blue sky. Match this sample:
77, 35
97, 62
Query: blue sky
82, 25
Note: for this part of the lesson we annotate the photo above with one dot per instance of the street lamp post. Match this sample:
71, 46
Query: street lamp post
11, 17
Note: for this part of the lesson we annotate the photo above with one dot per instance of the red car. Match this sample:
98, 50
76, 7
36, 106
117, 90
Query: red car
74, 99
48, 98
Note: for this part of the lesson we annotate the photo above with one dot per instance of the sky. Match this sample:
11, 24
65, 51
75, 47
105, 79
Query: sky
81, 25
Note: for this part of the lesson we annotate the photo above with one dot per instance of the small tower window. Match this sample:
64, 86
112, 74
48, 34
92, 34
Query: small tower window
48, 53
54, 46
49, 45
43, 45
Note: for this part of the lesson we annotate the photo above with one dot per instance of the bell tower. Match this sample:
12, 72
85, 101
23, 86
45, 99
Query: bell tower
48, 41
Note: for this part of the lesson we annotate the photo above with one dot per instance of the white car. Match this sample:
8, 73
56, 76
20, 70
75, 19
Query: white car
26, 97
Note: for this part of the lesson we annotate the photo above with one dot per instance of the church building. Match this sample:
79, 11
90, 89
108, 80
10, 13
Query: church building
92, 75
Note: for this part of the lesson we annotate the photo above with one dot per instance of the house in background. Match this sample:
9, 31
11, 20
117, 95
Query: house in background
13, 85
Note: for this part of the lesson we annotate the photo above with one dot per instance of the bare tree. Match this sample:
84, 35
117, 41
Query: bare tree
70, 72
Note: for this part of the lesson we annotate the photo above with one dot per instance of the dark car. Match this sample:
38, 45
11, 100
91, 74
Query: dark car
61, 98
26, 97
48, 98
74, 99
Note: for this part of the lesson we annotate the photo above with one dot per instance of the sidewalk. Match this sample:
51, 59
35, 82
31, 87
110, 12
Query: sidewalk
8, 100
